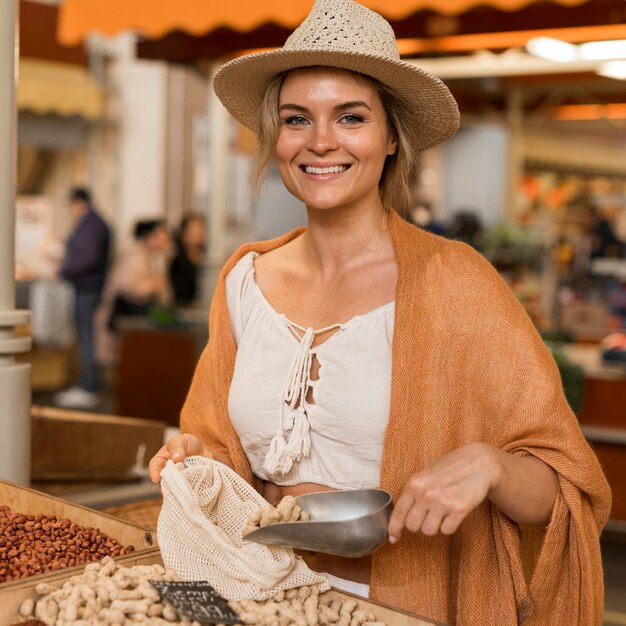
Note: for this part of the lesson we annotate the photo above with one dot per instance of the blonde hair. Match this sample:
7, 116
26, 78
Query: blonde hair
400, 170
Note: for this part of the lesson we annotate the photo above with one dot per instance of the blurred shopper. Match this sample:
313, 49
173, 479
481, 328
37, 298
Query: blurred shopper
139, 278
467, 227
423, 217
605, 241
363, 352
85, 267
186, 264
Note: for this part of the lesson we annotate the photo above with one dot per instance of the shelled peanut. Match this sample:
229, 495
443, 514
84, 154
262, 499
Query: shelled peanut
104, 594
287, 510
304, 606
34, 544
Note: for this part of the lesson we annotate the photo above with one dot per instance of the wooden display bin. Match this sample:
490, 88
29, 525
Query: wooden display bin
383, 613
16, 592
32, 502
22, 590
74, 445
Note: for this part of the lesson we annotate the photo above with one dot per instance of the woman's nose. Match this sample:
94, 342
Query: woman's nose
322, 138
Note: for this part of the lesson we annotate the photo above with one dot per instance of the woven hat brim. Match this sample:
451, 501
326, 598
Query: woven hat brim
241, 83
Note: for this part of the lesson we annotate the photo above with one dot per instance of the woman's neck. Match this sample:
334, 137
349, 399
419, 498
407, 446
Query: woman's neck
336, 241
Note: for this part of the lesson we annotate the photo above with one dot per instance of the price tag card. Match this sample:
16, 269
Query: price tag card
196, 601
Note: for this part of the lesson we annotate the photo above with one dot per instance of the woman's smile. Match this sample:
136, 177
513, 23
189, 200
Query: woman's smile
324, 169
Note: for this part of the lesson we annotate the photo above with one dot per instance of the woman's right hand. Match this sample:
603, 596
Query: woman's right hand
177, 449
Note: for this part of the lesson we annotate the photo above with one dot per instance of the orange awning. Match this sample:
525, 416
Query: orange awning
156, 18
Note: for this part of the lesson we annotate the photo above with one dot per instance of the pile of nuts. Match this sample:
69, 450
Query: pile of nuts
34, 544
104, 594
304, 606
287, 510
108, 594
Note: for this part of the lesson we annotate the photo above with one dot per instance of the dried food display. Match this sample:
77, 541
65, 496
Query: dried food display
304, 606
103, 594
35, 544
109, 594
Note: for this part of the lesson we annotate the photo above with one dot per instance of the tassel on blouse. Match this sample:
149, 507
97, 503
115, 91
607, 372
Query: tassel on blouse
289, 447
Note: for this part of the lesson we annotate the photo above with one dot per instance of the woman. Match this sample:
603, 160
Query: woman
363, 352
139, 278
186, 264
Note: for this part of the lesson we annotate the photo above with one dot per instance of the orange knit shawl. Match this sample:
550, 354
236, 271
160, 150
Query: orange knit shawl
468, 366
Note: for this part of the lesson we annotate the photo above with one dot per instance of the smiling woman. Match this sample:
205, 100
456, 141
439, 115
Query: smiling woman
362, 352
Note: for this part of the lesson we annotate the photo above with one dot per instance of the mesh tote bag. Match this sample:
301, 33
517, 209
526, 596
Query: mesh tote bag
200, 531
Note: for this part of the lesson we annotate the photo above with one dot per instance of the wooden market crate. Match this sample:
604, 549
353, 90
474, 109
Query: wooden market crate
383, 613
83, 446
22, 590
31, 502
16, 592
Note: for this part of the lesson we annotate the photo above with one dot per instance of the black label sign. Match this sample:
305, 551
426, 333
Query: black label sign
197, 601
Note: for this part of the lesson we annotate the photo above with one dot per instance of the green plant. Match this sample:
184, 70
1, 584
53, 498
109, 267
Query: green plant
509, 244
571, 375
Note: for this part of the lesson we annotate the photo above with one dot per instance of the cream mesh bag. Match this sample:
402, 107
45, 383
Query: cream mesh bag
200, 531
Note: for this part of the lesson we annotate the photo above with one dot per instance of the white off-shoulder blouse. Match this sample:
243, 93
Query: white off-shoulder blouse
332, 435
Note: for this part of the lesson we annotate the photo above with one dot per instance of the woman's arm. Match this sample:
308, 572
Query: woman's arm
440, 497
526, 488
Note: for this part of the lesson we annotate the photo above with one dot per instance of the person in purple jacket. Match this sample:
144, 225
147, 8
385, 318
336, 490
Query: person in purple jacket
85, 267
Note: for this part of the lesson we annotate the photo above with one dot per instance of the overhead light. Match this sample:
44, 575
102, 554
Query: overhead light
613, 69
552, 49
603, 50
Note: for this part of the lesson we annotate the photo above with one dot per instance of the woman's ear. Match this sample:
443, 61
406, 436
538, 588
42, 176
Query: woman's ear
392, 147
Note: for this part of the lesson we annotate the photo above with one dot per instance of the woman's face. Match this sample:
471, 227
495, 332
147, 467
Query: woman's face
194, 235
159, 239
333, 138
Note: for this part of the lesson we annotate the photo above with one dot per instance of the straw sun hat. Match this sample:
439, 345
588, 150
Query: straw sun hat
343, 34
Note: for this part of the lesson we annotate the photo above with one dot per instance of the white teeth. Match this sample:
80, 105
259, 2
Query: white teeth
335, 169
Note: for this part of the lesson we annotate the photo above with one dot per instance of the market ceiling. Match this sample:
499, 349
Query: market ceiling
188, 30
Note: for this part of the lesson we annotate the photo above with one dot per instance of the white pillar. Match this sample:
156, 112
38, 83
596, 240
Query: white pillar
14, 378
143, 108
219, 173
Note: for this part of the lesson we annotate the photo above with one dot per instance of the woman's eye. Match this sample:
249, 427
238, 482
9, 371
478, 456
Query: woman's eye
295, 120
351, 118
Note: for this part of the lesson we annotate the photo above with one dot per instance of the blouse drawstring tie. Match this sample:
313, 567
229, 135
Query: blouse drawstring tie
292, 440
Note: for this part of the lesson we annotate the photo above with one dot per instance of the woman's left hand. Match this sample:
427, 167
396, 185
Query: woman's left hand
439, 498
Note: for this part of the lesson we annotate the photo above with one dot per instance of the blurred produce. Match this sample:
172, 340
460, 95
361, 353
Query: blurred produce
509, 246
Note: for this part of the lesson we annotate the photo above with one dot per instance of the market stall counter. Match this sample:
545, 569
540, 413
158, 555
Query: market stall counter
603, 419
134, 546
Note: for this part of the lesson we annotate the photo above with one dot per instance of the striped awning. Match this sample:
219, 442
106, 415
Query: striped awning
156, 18
50, 87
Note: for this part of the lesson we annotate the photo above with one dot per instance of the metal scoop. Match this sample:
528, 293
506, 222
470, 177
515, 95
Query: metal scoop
346, 523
